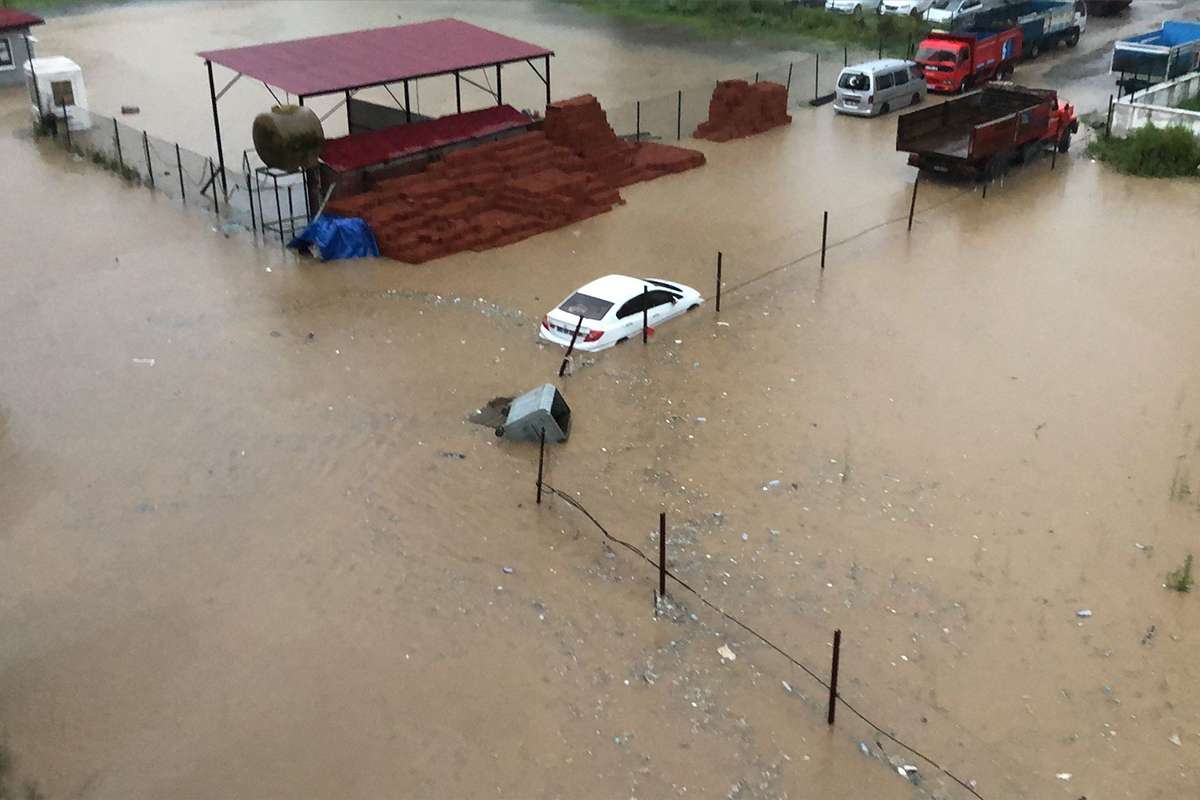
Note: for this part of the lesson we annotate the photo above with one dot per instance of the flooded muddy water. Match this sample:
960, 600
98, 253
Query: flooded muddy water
253, 547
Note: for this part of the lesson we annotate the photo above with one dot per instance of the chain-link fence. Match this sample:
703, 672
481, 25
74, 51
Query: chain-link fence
277, 204
269, 202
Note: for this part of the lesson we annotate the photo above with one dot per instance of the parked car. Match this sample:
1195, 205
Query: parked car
956, 13
856, 7
609, 310
877, 87
905, 8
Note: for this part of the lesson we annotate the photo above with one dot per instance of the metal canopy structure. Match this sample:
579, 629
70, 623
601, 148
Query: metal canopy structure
343, 63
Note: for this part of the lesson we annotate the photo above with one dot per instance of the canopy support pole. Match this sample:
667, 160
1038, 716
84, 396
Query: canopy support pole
407, 107
212, 93
458, 91
547, 81
499, 87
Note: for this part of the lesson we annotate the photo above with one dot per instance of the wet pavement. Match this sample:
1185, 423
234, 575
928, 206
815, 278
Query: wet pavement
238, 561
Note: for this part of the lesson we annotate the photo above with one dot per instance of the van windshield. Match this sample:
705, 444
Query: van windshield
854, 81
933, 55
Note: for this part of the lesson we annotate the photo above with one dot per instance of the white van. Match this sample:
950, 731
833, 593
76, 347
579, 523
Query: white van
877, 87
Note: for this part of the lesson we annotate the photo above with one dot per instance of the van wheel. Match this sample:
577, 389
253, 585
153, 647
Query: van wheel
1073, 37
885, 108
916, 98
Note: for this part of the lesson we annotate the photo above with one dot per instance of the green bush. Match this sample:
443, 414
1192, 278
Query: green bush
1191, 104
1151, 152
1180, 580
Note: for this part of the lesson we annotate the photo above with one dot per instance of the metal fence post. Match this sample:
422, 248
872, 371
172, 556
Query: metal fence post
881, 47
562, 369
912, 208
679, 116
845, 56
149, 163
719, 256
637, 136
250, 192
817, 78
788, 91
541, 462
833, 673
662, 554
1108, 119
645, 316
824, 232
179, 169
117, 141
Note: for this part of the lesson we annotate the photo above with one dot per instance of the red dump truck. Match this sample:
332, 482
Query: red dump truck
980, 134
957, 62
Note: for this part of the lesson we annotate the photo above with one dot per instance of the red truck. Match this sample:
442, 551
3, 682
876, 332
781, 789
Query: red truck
981, 133
957, 62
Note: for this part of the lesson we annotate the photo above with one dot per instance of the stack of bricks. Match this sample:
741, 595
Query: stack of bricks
739, 109
493, 194
581, 125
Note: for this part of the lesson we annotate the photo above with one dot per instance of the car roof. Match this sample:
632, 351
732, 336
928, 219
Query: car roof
613, 288
878, 64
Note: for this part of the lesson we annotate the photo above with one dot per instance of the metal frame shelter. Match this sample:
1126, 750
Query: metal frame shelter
344, 63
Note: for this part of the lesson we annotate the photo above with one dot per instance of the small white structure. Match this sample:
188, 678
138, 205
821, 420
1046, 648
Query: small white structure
1156, 106
56, 87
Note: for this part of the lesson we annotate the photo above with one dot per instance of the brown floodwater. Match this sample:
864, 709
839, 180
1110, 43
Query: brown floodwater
251, 547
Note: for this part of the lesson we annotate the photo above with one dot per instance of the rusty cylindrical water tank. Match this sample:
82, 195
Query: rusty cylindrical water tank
288, 137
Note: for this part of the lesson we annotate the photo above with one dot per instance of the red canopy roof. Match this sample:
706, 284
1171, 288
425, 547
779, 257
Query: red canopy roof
11, 18
326, 64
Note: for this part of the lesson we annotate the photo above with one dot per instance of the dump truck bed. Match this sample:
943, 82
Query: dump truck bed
976, 125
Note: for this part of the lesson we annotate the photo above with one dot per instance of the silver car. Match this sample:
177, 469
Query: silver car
877, 87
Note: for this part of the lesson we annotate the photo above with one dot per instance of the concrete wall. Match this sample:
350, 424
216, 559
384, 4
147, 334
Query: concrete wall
1156, 105
14, 74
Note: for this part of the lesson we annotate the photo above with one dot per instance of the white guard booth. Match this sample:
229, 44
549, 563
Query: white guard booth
56, 84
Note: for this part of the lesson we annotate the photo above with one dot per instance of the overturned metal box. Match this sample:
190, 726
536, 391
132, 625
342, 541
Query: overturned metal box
540, 409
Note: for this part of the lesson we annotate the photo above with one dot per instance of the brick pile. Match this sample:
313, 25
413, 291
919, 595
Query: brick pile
497, 193
738, 109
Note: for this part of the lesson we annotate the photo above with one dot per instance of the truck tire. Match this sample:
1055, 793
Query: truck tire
1064, 143
995, 168
1035, 50
1073, 37
1005, 72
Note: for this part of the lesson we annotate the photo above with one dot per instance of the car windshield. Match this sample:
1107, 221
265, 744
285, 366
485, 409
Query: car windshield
947, 4
586, 306
855, 81
933, 55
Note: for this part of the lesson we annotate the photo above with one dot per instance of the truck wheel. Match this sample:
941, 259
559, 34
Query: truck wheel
1064, 144
1005, 72
995, 168
1073, 37
1034, 51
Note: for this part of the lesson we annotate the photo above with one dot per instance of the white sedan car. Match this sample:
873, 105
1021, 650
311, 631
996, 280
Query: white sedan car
609, 310
856, 7
906, 8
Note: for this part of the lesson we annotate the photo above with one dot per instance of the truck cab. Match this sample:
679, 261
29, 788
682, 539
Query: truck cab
955, 62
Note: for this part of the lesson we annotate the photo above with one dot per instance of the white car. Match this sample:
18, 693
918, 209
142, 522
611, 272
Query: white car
906, 8
609, 310
856, 7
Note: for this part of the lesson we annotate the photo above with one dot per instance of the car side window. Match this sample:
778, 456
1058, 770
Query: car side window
883, 81
633, 306
970, 5
900, 77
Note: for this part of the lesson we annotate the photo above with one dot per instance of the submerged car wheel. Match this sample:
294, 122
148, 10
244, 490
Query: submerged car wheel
885, 108
916, 98
1073, 37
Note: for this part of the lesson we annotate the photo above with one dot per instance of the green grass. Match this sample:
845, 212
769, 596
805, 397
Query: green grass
1180, 580
1151, 152
773, 19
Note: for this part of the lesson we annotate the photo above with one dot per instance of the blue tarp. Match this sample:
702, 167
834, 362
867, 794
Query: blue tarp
338, 237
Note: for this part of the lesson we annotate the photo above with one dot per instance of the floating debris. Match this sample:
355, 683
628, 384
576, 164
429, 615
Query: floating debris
726, 654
